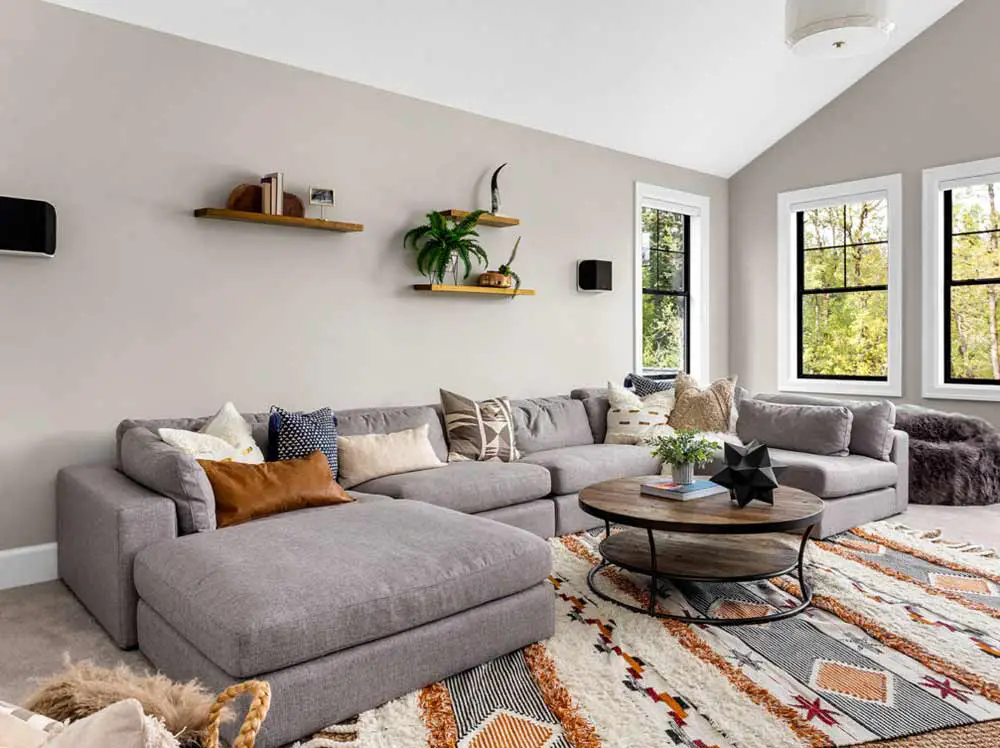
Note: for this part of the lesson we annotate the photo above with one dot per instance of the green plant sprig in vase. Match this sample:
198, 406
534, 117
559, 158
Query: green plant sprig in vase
444, 242
683, 450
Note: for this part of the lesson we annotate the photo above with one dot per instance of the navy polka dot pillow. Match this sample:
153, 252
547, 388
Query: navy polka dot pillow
291, 435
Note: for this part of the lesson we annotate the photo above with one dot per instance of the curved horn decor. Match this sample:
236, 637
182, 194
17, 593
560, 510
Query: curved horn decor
495, 190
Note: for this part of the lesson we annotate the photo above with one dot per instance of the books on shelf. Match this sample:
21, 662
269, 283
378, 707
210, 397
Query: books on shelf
272, 196
667, 489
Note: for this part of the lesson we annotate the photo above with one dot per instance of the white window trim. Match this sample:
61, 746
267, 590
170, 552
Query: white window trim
699, 208
935, 182
889, 187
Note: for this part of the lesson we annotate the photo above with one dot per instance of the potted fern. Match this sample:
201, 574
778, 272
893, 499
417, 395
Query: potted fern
504, 276
682, 450
444, 243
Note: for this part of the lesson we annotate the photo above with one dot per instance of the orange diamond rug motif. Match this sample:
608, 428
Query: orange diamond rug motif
973, 585
508, 730
849, 680
738, 609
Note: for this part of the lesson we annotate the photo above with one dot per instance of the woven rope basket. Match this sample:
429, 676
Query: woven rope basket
256, 714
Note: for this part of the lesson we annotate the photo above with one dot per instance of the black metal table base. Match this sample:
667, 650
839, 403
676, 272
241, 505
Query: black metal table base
655, 576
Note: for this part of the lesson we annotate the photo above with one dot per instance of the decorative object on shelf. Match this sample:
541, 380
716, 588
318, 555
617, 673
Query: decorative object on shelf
248, 198
837, 28
593, 275
27, 227
254, 217
495, 191
749, 473
682, 451
486, 219
324, 197
272, 198
443, 243
481, 290
504, 276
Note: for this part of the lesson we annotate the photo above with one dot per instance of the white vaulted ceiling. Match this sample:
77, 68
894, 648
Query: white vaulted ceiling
706, 84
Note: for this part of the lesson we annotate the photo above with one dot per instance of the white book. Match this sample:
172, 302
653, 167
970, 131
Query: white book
277, 192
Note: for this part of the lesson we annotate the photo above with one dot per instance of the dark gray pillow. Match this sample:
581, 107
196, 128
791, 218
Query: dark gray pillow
151, 462
819, 429
874, 420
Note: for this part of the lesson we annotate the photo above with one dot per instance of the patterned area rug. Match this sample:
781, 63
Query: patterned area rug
903, 640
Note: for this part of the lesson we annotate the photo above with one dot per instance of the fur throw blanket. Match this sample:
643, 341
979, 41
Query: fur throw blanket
84, 689
954, 458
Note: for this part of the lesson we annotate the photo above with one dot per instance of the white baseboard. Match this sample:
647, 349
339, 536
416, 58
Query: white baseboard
29, 565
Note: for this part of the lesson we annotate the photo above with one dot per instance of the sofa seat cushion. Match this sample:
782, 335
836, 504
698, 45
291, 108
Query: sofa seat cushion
287, 589
469, 487
575, 468
831, 477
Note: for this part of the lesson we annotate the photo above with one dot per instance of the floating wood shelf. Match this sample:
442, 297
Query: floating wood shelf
304, 223
486, 219
436, 288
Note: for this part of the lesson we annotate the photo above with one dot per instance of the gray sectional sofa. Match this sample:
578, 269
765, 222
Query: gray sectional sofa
343, 608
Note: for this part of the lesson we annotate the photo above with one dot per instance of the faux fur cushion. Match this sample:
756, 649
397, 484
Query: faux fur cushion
709, 409
84, 689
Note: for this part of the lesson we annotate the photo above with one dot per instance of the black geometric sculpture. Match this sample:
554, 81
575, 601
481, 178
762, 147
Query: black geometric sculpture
495, 191
749, 473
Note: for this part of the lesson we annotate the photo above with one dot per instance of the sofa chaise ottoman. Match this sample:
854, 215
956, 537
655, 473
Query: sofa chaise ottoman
341, 609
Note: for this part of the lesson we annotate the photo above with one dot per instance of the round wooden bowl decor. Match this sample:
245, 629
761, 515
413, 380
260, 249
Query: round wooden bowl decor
493, 279
247, 197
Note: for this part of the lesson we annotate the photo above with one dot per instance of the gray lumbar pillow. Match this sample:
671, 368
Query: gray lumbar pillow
874, 420
819, 429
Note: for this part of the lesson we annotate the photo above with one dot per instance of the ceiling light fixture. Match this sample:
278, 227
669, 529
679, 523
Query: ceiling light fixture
836, 28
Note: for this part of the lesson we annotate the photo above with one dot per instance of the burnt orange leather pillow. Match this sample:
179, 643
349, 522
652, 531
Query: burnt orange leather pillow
244, 492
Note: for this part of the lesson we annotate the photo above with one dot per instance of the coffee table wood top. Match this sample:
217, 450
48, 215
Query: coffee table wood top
621, 501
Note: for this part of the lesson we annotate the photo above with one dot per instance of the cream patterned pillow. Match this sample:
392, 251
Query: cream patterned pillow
636, 420
369, 456
121, 725
709, 409
200, 446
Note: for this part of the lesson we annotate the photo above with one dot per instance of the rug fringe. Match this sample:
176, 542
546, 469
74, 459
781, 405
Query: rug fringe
934, 536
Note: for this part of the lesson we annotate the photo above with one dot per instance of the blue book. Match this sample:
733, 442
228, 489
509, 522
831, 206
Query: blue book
667, 489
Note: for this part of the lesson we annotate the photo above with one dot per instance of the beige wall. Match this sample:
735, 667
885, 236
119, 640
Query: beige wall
147, 312
932, 103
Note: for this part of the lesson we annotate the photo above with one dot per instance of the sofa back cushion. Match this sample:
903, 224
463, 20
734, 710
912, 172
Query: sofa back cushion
595, 402
394, 419
151, 462
819, 429
871, 430
550, 423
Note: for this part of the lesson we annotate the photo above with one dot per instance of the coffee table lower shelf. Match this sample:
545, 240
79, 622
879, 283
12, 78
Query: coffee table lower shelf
691, 557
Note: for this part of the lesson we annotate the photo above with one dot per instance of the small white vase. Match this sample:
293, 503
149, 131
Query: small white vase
683, 474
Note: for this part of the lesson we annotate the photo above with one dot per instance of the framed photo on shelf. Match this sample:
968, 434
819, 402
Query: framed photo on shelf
323, 196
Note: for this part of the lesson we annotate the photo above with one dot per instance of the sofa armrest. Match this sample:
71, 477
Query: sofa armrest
103, 519
900, 454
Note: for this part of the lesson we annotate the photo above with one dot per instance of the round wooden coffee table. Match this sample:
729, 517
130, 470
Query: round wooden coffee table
702, 540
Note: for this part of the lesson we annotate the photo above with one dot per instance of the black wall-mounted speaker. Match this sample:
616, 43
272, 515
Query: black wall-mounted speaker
593, 275
27, 227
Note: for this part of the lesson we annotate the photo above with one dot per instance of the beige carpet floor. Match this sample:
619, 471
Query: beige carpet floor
41, 624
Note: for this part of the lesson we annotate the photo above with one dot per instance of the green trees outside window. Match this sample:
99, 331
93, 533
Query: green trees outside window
972, 284
666, 249
843, 260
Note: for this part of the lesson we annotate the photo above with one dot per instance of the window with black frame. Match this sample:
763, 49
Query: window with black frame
843, 291
972, 284
666, 323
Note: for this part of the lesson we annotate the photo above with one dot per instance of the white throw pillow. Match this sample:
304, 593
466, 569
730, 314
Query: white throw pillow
369, 456
122, 725
231, 427
636, 420
227, 437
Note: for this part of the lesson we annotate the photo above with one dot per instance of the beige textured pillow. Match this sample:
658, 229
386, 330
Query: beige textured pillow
369, 456
709, 409
122, 725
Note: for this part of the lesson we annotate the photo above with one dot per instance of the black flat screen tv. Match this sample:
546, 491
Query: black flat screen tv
27, 227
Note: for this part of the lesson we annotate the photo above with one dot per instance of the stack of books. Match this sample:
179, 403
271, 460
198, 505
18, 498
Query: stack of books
700, 489
272, 196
